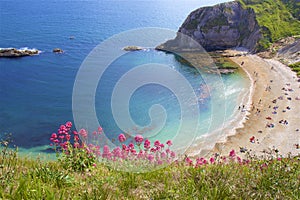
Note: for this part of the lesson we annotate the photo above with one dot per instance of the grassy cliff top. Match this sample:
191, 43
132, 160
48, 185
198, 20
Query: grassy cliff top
277, 18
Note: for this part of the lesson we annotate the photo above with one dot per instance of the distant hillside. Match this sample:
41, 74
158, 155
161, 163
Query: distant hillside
277, 19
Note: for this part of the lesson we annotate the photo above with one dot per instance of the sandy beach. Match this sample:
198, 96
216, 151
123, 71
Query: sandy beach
272, 118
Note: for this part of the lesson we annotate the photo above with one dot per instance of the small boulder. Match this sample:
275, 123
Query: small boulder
132, 48
57, 50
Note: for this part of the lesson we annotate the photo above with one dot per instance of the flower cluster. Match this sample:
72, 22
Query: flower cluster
77, 154
63, 136
134, 151
156, 154
216, 159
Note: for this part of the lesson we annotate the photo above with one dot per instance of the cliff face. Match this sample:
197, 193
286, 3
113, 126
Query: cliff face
290, 53
223, 26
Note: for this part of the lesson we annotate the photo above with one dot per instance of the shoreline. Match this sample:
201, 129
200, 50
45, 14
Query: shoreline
252, 123
206, 143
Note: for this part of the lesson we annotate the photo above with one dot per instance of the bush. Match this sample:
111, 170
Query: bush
275, 18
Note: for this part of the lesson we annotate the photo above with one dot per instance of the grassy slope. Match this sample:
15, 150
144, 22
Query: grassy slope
21, 178
275, 18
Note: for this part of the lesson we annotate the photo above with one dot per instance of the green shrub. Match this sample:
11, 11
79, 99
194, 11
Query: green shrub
276, 17
295, 65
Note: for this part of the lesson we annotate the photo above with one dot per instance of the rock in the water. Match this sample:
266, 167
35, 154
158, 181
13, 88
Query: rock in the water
226, 25
132, 48
13, 52
57, 50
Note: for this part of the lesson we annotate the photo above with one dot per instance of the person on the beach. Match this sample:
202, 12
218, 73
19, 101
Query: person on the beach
252, 139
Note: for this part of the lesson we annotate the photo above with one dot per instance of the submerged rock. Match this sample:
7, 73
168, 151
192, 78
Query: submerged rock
132, 48
13, 52
57, 50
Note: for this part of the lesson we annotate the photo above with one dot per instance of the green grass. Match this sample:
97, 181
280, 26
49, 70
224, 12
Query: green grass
295, 67
23, 178
277, 19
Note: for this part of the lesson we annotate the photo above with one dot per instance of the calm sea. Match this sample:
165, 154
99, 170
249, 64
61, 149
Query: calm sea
36, 92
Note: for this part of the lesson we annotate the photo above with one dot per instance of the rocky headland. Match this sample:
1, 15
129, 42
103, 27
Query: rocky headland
241, 25
219, 27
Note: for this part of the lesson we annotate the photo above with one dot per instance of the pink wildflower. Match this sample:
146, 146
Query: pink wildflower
62, 128
168, 151
131, 146
173, 154
141, 154
169, 143
54, 135
106, 152
76, 145
150, 157
117, 152
239, 159
232, 153
147, 144
153, 150
133, 151
56, 141
122, 138
83, 133
188, 161
138, 139
76, 138
157, 143
100, 130
159, 162
158, 148
263, 166
124, 147
68, 124
68, 137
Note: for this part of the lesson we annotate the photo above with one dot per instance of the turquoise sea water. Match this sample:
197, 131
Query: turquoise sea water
36, 92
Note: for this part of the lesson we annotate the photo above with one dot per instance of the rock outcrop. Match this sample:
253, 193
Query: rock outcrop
13, 52
57, 50
219, 27
290, 53
132, 48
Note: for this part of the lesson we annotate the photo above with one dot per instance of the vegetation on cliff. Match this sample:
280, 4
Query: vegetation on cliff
277, 19
295, 67
23, 178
